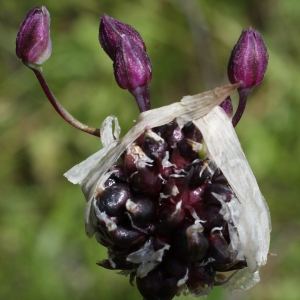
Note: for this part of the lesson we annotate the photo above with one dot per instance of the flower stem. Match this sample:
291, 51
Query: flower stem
142, 97
243, 94
58, 107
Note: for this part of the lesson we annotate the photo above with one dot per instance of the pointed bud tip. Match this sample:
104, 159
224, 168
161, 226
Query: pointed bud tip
111, 29
33, 43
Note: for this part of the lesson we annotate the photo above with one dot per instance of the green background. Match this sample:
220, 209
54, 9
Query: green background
44, 252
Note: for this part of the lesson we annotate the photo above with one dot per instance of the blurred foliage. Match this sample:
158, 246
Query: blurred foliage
44, 253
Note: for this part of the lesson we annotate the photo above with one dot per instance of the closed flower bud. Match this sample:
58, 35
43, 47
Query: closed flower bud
110, 31
133, 70
33, 43
249, 59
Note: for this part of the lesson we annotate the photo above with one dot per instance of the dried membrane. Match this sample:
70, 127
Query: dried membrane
170, 211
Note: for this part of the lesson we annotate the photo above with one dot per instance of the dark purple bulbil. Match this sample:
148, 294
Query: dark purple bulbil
179, 208
249, 60
157, 285
33, 43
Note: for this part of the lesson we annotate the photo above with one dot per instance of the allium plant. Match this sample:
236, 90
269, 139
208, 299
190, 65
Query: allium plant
174, 201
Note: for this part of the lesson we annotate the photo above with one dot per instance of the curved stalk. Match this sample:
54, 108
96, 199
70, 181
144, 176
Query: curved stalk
57, 106
243, 96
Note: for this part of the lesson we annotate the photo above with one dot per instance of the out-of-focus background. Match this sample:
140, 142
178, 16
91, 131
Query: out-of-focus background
44, 252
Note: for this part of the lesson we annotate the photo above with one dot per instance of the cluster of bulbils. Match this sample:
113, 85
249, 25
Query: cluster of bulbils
160, 209
166, 199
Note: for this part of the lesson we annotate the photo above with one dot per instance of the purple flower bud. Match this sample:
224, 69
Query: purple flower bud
109, 32
33, 43
133, 70
249, 59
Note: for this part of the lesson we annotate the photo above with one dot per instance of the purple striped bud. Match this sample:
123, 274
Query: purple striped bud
249, 59
33, 43
133, 70
109, 32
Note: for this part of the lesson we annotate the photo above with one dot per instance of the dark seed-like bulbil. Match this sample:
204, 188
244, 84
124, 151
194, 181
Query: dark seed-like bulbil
199, 277
190, 243
142, 210
192, 132
113, 199
210, 214
221, 190
176, 267
153, 145
173, 134
125, 237
202, 170
146, 181
171, 217
157, 285
160, 215
219, 249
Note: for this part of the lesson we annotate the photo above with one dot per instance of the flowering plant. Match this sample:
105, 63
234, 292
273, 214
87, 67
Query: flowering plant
174, 201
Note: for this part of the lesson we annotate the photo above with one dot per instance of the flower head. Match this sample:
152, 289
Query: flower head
33, 43
167, 217
249, 60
